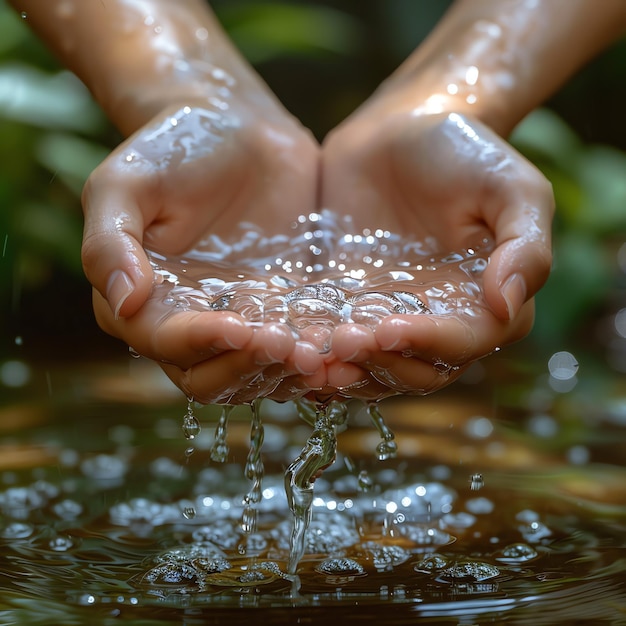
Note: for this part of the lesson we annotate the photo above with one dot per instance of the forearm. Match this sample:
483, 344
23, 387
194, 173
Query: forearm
139, 56
498, 59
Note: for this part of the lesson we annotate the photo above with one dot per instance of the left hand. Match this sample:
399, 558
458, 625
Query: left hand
448, 177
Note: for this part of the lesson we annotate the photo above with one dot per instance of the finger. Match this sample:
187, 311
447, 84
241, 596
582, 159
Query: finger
453, 339
410, 375
180, 337
521, 261
353, 342
112, 254
237, 375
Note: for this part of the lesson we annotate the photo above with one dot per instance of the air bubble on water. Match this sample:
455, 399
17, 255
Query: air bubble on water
472, 570
578, 455
68, 509
461, 520
142, 510
61, 544
382, 557
516, 553
342, 566
479, 506
387, 448
535, 531
105, 468
562, 365
17, 530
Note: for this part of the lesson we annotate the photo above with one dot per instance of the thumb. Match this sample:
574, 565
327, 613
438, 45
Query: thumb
522, 259
113, 258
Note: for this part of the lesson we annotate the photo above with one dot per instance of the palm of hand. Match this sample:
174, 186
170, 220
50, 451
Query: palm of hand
439, 178
435, 178
165, 188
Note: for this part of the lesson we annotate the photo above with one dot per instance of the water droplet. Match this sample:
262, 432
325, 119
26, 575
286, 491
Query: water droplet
365, 481
431, 563
387, 448
23, 15
476, 482
254, 470
133, 353
189, 512
470, 570
249, 519
191, 425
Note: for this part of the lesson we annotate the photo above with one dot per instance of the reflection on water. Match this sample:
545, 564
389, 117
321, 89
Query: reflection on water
104, 516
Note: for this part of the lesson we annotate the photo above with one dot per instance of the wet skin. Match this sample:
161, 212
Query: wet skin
424, 155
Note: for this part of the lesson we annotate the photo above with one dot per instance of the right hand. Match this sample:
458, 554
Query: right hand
195, 169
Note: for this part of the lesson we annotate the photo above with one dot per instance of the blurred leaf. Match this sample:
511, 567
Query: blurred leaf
266, 30
51, 232
545, 135
602, 173
70, 158
568, 193
58, 101
12, 30
580, 278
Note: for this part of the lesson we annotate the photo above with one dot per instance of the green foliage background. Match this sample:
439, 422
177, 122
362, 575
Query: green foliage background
322, 59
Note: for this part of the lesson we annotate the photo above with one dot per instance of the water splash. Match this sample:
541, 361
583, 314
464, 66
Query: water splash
387, 448
191, 425
220, 449
317, 454
254, 471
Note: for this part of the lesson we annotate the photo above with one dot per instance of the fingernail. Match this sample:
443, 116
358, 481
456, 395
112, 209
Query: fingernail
514, 294
119, 287
236, 335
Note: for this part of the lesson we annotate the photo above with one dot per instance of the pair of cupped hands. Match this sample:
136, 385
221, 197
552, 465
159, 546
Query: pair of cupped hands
204, 166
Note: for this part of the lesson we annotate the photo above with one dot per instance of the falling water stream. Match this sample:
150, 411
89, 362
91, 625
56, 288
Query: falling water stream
320, 508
